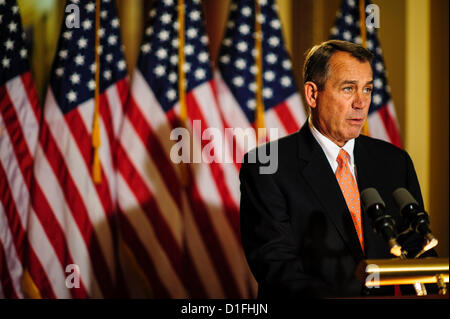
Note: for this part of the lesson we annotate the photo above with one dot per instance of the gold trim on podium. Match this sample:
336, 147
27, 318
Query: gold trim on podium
386, 272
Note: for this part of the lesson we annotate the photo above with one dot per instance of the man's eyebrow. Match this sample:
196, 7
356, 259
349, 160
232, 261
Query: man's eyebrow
355, 82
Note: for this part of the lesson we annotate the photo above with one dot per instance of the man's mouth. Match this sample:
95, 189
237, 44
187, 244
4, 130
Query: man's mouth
356, 121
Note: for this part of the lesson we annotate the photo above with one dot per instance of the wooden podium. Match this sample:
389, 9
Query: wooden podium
387, 272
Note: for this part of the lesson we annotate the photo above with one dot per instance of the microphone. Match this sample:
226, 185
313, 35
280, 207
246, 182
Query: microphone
416, 217
382, 222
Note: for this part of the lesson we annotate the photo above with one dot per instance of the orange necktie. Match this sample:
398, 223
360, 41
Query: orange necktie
350, 192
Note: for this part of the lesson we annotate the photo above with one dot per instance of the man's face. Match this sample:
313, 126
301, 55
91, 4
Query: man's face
343, 104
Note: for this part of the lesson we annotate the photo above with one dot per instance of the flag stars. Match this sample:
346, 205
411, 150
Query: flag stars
82, 43
12, 27
276, 24
145, 48
347, 35
286, 81
287, 64
203, 57
271, 58
107, 74
112, 40
348, 19
115, 23
246, 11
269, 76
90, 7
189, 49
225, 59
163, 35
200, 74
23, 53
63, 54
378, 83
91, 85
379, 66
9, 44
75, 78
240, 64
377, 99
174, 59
171, 94
191, 33
71, 96
238, 81
5, 62
121, 65
159, 70
161, 53
166, 18
59, 72
274, 41
242, 46
79, 60
194, 15
244, 29
86, 24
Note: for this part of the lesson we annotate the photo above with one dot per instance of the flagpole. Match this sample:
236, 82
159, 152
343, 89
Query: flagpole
259, 111
362, 28
96, 142
182, 83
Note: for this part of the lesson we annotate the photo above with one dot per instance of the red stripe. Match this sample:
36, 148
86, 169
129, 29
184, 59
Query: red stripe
149, 206
123, 91
390, 125
140, 253
286, 117
16, 135
14, 223
76, 205
56, 237
201, 214
212, 243
5, 279
155, 149
231, 209
30, 91
39, 276
145, 197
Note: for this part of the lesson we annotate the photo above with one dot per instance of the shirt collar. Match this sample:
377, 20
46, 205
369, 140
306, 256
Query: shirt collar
331, 149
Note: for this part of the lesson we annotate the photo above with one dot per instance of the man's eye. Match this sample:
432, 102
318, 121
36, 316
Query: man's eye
348, 89
368, 90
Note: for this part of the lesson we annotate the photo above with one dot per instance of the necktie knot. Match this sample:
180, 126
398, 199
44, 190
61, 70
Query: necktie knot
343, 157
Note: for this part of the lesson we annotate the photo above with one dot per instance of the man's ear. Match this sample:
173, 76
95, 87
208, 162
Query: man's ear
311, 93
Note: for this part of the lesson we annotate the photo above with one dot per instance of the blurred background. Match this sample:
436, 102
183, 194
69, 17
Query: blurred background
414, 38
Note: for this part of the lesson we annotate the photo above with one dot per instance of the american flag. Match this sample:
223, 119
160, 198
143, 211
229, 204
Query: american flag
237, 69
179, 241
382, 121
71, 226
19, 125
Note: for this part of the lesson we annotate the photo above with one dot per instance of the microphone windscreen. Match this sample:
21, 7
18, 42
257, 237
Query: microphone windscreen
403, 198
370, 196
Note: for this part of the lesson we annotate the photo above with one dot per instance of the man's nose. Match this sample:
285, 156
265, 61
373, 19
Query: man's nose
360, 101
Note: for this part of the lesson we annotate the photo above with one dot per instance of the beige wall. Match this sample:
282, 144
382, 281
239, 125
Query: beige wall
414, 38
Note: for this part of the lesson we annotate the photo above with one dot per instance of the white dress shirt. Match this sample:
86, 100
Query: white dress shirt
331, 149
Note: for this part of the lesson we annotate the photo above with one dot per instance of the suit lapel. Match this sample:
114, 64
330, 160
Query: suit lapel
319, 175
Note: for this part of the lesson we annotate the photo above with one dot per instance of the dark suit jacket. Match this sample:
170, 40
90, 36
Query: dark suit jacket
297, 233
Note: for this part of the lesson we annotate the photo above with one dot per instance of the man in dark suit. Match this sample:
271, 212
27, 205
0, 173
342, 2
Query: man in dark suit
302, 235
